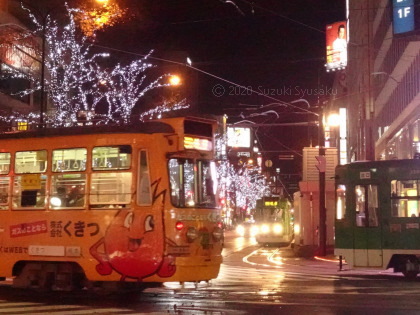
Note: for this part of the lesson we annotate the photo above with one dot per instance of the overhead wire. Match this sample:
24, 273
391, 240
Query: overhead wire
248, 89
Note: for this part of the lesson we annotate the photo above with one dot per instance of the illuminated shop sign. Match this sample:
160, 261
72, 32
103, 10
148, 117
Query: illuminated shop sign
404, 15
239, 137
197, 144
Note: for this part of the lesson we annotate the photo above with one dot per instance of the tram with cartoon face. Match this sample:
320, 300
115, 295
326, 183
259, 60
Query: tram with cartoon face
119, 204
377, 221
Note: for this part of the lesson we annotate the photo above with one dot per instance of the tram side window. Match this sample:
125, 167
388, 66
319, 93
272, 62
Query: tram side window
4, 163
29, 188
30, 162
69, 160
68, 191
373, 206
111, 158
143, 182
29, 191
4, 192
367, 205
341, 202
175, 177
405, 198
110, 190
360, 206
207, 184
182, 179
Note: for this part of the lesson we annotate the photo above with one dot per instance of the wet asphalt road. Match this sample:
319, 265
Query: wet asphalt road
252, 280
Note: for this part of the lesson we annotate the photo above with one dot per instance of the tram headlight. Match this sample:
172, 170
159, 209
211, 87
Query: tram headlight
217, 233
192, 234
240, 230
265, 229
278, 229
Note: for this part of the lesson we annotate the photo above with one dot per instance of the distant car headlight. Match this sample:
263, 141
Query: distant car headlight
278, 229
240, 230
265, 229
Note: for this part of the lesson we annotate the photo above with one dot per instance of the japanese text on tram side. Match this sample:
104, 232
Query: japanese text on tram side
56, 229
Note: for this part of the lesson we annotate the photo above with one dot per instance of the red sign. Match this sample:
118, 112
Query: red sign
336, 40
26, 229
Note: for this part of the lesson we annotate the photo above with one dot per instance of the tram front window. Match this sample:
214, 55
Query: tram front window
192, 183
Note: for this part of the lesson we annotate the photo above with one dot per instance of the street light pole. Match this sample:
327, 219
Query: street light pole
322, 229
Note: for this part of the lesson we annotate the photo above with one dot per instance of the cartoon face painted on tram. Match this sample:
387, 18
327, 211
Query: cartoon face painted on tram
133, 245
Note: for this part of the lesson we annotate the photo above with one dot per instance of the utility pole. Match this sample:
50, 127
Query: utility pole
322, 229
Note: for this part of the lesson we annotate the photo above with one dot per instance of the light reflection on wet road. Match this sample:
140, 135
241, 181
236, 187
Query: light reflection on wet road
252, 280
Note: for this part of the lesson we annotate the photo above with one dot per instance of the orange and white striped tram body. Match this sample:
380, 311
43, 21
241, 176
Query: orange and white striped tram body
133, 203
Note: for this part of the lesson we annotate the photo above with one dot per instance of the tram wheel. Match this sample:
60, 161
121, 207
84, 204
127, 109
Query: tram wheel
410, 274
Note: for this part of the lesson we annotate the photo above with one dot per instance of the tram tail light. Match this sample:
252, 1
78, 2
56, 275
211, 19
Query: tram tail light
179, 225
192, 234
217, 233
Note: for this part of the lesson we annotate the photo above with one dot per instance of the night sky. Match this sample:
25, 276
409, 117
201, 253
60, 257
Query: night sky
276, 47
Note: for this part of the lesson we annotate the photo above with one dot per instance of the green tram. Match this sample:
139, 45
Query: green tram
274, 220
377, 221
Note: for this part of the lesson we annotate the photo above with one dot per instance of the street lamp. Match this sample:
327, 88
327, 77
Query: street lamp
175, 80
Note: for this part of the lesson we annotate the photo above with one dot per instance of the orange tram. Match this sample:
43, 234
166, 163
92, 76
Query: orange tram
129, 204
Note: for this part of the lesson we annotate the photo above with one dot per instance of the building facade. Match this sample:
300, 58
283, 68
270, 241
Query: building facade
19, 54
383, 80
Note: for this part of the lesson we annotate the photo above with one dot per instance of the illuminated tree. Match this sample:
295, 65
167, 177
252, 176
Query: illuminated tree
75, 81
126, 85
242, 186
